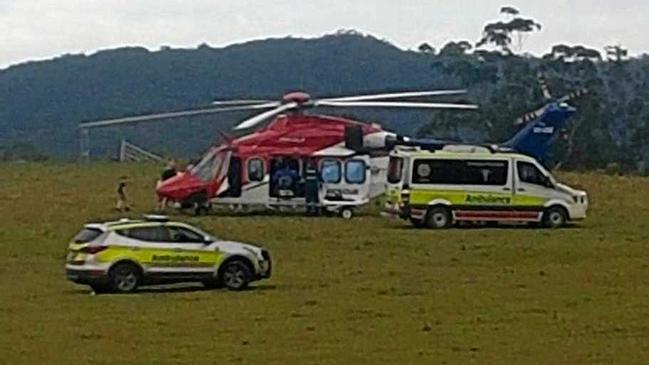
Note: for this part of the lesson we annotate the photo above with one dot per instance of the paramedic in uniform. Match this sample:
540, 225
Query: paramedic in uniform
311, 188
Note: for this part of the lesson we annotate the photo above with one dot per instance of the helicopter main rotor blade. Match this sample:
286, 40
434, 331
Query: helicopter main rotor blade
389, 104
171, 115
248, 123
240, 102
412, 94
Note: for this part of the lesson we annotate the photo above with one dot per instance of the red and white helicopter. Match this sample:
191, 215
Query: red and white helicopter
292, 160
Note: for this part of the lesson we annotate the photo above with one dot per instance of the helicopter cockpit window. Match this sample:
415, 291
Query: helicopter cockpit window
207, 169
256, 169
330, 171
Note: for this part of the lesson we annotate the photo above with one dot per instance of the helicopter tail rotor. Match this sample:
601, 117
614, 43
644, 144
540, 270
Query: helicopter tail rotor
544, 86
528, 117
573, 95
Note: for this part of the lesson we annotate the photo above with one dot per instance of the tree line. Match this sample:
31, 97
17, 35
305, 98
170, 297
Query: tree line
611, 128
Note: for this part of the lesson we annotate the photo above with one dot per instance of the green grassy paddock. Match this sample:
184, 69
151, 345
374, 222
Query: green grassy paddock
369, 290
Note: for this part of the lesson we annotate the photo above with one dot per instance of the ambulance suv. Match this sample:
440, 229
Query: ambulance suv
123, 255
437, 189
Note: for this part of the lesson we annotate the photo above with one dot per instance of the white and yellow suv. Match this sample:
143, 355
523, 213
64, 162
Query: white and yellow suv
120, 256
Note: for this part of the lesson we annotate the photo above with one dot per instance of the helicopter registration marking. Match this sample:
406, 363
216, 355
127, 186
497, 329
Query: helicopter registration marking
544, 130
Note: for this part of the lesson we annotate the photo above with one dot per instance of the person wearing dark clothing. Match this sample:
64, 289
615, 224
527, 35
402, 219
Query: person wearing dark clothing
311, 188
168, 173
285, 178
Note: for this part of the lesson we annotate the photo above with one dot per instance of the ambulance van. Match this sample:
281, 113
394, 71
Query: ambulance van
436, 189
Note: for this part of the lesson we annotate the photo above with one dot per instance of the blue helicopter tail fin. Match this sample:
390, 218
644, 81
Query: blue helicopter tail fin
536, 137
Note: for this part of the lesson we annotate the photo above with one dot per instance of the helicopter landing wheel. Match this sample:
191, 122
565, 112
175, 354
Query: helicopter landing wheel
347, 213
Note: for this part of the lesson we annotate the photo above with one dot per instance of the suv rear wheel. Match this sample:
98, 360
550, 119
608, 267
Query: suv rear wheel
124, 277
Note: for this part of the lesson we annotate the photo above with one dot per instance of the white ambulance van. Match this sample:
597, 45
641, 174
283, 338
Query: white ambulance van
438, 188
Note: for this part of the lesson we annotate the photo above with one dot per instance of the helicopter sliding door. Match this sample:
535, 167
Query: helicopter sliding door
286, 178
345, 181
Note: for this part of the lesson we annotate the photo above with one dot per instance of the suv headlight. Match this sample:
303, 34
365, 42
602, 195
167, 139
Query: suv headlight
265, 255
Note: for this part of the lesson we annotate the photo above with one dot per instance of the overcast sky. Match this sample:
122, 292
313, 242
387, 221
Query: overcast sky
38, 29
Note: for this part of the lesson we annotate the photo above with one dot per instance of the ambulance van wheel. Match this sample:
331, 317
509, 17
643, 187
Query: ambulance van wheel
438, 218
347, 213
555, 217
124, 277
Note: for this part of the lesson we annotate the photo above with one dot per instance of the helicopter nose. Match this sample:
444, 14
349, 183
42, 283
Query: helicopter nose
164, 188
177, 188
167, 190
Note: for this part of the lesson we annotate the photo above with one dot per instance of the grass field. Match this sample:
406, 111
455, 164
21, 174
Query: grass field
368, 290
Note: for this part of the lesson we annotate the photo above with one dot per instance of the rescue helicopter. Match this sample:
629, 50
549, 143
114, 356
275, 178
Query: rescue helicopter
269, 167
345, 160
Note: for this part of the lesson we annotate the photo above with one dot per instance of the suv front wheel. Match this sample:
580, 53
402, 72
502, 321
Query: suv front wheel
235, 275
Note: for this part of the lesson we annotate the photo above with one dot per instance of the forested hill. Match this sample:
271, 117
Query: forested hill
41, 103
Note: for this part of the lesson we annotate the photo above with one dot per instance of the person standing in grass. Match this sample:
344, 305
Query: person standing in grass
167, 173
122, 200
311, 188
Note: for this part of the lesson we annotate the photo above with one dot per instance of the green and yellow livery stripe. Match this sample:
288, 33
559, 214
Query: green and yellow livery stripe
477, 198
161, 257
